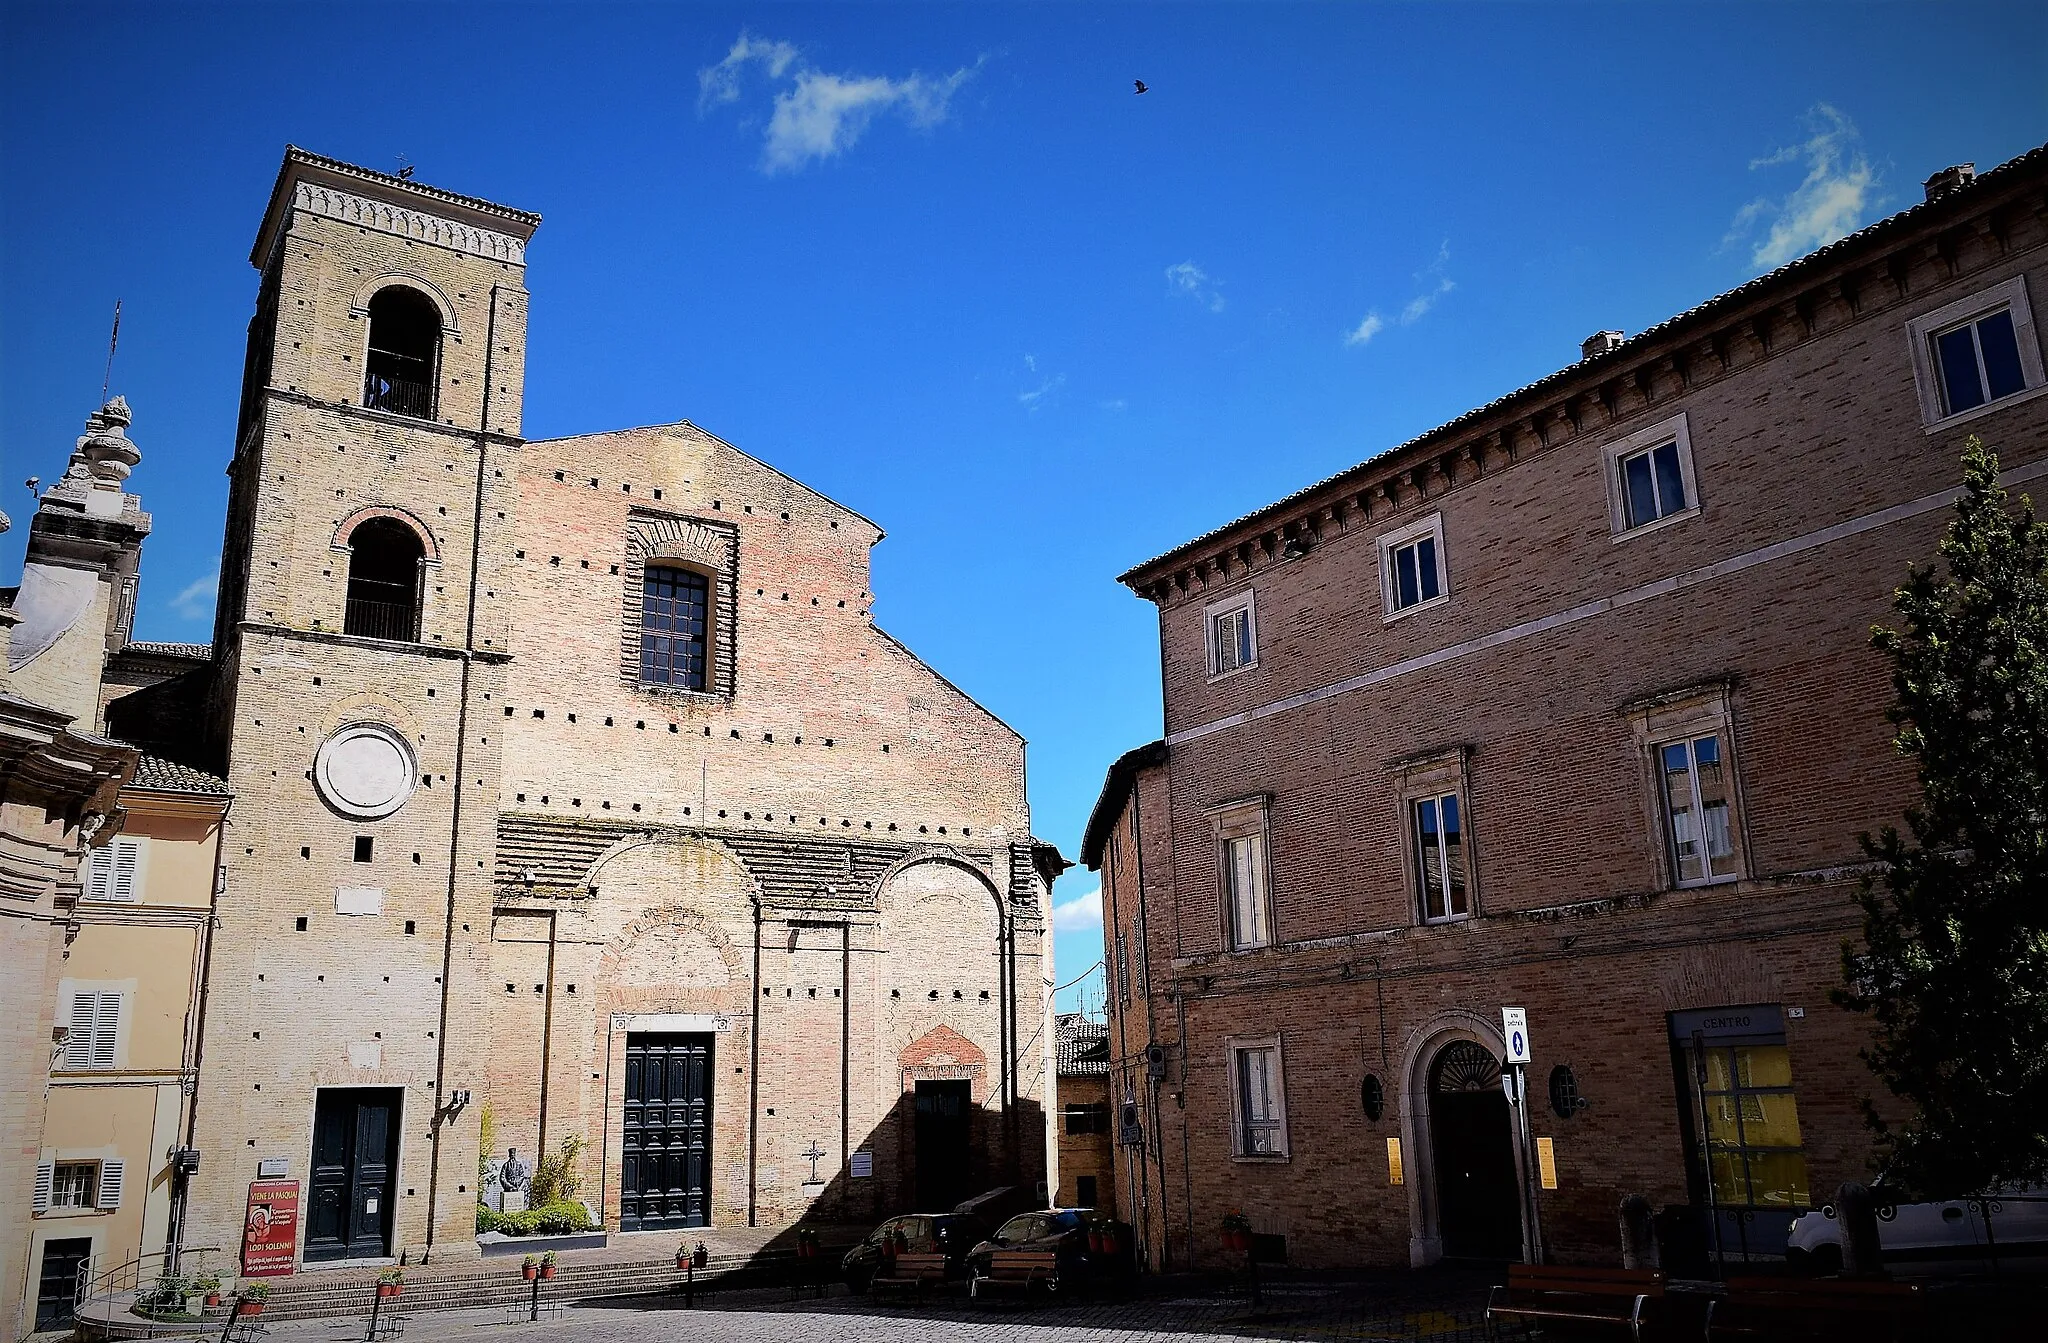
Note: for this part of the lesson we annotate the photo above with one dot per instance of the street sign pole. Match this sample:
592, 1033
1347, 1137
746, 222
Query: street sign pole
1514, 1024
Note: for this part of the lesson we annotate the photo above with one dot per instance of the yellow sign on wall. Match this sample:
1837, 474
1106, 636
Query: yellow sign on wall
1546, 1162
1393, 1161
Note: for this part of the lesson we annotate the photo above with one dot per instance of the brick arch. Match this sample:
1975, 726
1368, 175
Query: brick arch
346, 528
712, 548
684, 539
405, 279
944, 855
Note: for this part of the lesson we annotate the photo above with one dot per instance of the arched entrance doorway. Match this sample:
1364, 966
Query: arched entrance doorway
1471, 1141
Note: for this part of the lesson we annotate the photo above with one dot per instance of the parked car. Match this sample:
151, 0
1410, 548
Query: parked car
1081, 1258
1931, 1236
950, 1234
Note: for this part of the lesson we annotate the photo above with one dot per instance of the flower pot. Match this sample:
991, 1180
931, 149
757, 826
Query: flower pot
547, 1272
387, 1290
529, 1273
212, 1299
682, 1261
248, 1308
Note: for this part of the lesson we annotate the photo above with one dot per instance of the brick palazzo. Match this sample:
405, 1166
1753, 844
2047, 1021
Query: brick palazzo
1569, 705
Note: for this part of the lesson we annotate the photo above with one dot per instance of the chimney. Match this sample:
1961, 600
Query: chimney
1597, 344
1950, 179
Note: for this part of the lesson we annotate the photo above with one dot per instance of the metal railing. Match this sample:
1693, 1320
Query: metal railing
398, 396
381, 620
104, 1285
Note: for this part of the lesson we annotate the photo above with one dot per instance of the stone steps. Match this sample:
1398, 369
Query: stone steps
309, 1297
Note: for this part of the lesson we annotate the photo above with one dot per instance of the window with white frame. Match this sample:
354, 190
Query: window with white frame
1650, 478
1240, 830
1687, 738
1431, 792
75, 1184
1233, 638
1698, 810
114, 871
1258, 1098
1412, 567
95, 1185
1976, 352
92, 1033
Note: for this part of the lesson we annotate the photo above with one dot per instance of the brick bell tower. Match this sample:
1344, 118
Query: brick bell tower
360, 654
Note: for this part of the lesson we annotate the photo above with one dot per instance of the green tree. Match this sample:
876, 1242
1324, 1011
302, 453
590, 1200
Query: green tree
1953, 971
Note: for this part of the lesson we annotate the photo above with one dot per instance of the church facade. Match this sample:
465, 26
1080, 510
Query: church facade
579, 797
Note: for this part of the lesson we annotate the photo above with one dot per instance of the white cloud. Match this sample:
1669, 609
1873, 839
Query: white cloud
1116, 405
1365, 330
195, 600
1031, 362
1079, 914
820, 114
1838, 192
720, 83
1035, 397
1191, 281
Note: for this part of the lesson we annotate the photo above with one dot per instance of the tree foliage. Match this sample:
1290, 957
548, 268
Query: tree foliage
1954, 968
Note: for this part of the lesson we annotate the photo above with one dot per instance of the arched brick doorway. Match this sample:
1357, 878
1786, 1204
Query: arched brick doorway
1472, 1149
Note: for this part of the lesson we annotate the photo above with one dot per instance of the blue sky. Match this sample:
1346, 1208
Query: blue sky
942, 263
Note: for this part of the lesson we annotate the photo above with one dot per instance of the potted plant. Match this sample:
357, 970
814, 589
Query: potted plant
682, 1256
251, 1298
1237, 1232
547, 1266
390, 1282
529, 1268
208, 1287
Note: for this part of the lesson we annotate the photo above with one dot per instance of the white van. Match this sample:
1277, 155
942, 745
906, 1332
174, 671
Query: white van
1941, 1237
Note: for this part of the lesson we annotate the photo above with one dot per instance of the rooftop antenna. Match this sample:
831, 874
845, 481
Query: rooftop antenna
112, 341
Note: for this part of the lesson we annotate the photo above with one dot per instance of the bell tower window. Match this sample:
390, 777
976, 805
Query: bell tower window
384, 581
675, 626
405, 341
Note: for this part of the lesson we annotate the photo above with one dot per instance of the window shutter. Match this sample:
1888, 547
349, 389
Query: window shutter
99, 879
79, 1025
46, 1174
127, 858
106, 1030
111, 1173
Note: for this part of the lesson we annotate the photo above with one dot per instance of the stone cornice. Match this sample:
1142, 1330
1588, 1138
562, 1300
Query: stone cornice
394, 205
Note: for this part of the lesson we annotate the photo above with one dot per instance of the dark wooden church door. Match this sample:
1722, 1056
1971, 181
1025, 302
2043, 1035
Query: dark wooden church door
354, 1171
666, 1180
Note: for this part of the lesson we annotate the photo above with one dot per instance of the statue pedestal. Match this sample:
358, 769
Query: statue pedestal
514, 1201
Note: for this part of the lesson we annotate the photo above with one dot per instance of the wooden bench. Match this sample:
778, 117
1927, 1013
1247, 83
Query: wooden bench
1018, 1270
910, 1272
1801, 1308
1620, 1298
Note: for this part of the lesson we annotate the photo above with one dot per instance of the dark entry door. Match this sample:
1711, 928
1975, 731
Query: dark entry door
1472, 1144
354, 1173
944, 1174
666, 1180
57, 1288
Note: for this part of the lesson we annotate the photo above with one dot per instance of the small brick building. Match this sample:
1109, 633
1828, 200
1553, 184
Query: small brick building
1086, 1178
1567, 705
576, 786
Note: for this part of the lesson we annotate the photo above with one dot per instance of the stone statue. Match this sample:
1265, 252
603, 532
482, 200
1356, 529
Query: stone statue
517, 1178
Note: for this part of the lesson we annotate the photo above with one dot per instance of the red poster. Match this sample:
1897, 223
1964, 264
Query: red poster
270, 1235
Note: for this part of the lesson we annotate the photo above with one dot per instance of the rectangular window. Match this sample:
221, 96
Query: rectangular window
1412, 567
1971, 354
113, 871
674, 626
1244, 876
75, 1184
1440, 859
1233, 643
1697, 806
1261, 1116
1085, 1119
1123, 968
1650, 478
1652, 486
1740, 1118
92, 1030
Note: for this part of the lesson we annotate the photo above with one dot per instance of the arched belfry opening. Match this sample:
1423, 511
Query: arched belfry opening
384, 562
400, 371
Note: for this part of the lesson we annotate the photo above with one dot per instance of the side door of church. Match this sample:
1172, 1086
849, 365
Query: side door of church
354, 1171
665, 1175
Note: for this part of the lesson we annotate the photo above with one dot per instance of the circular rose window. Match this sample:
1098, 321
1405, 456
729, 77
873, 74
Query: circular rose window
365, 771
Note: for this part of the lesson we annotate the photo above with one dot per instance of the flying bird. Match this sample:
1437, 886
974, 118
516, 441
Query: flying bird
1141, 85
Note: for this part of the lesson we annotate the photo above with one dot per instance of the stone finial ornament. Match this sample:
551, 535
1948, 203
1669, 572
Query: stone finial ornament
105, 449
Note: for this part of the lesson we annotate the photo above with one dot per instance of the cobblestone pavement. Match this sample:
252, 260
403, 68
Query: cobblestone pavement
1441, 1308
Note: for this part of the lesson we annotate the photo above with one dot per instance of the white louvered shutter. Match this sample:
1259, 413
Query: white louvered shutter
46, 1174
78, 1025
127, 862
111, 1176
99, 873
106, 1029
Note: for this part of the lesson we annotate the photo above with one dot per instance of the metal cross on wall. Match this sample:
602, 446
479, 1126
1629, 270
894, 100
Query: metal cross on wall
816, 1154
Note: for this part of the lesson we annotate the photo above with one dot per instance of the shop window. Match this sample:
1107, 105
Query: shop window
1740, 1115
